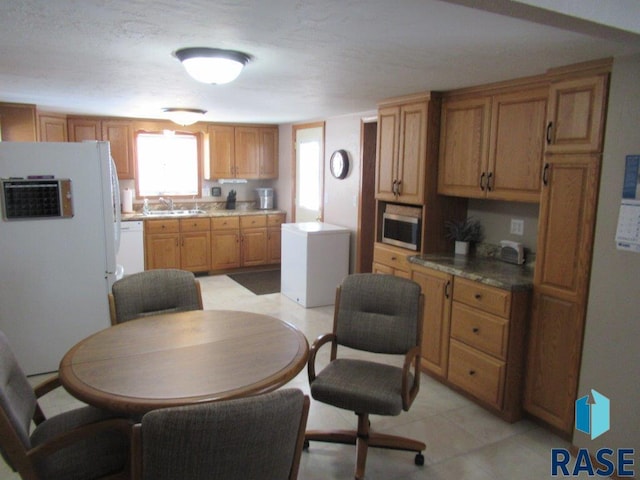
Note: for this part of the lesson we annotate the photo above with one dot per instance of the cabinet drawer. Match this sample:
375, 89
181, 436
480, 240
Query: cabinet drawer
194, 225
162, 226
225, 223
253, 221
390, 257
476, 373
275, 220
477, 295
480, 330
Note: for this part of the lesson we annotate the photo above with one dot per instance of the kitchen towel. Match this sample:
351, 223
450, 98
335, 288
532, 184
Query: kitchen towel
127, 200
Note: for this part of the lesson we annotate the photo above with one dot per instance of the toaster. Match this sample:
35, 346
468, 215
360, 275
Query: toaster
511, 252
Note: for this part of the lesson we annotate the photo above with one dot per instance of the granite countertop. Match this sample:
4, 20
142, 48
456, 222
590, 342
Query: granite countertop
207, 213
488, 271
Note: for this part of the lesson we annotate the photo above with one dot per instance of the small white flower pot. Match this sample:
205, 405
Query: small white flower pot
462, 248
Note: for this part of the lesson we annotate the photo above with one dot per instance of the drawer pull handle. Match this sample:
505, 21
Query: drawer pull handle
476, 330
477, 296
393, 258
472, 372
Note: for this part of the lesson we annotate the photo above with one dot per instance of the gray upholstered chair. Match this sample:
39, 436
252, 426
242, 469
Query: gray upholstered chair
153, 292
252, 438
379, 314
85, 443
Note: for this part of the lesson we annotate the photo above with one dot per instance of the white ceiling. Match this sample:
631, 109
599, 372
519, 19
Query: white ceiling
312, 58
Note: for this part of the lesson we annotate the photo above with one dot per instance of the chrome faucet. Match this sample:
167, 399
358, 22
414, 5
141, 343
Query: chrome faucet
167, 202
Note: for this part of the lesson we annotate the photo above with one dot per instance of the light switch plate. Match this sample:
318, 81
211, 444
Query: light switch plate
517, 227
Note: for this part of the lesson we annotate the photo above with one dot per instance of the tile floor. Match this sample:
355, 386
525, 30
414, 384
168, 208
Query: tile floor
463, 440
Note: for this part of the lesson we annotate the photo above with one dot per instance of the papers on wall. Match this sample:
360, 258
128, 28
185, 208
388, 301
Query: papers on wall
628, 231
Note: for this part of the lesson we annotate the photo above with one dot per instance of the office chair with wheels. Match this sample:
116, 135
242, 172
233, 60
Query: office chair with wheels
153, 292
379, 314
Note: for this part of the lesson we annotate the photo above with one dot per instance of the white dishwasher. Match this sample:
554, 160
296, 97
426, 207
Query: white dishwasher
131, 253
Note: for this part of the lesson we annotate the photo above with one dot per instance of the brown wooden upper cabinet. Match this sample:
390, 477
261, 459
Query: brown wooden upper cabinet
17, 122
119, 133
242, 152
492, 146
576, 115
402, 150
52, 127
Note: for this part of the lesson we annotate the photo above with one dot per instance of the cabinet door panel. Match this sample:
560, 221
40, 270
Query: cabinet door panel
221, 151
269, 152
386, 173
195, 251
162, 251
225, 249
412, 154
555, 346
247, 146
576, 113
566, 223
254, 247
52, 128
120, 136
80, 129
436, 287
517, 145
464, 146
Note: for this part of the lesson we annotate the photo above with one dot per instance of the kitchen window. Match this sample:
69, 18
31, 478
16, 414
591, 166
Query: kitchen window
168, 164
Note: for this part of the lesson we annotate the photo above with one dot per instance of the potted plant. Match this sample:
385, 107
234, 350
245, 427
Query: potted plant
463, 232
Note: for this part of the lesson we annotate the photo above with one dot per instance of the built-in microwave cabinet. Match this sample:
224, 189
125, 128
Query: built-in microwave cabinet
492, 145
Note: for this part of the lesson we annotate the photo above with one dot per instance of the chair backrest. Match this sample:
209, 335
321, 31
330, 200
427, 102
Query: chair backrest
152, 292
17, 406
253, 438
378, 313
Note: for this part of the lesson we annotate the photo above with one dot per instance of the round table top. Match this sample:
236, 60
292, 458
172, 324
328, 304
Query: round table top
183, 358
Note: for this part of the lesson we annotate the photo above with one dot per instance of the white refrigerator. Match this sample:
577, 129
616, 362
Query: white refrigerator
56, 271
315, 260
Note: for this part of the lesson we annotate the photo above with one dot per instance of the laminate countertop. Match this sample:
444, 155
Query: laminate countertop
207, 213
486, 270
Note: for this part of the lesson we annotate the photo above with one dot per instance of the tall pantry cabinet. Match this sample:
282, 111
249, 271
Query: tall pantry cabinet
571, 172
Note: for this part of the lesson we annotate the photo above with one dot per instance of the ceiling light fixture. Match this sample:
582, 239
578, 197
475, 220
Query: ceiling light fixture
184, 116
212, 65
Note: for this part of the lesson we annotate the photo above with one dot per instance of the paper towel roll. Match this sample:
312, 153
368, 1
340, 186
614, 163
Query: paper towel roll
127, 200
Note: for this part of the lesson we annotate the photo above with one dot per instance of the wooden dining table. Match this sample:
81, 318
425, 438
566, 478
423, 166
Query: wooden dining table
183, 358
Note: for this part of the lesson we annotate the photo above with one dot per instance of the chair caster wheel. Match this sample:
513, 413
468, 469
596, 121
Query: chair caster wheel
419, 459
305, 445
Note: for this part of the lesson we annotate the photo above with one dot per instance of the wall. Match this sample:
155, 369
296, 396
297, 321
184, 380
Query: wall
611, 353
495, 218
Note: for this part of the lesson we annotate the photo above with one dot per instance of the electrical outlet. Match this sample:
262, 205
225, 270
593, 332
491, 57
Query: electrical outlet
517, 227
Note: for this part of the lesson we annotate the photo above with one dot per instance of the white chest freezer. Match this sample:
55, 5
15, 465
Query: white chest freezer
315, 260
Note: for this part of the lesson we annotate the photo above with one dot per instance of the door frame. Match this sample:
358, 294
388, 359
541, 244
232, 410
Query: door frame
294, 185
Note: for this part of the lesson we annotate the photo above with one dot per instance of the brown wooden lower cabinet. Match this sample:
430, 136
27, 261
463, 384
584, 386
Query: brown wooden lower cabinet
177, 243
474, 338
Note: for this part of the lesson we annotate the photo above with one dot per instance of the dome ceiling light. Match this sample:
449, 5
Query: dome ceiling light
212, 65
184, 116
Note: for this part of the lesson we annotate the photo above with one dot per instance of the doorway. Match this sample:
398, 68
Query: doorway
367, 202
308, 172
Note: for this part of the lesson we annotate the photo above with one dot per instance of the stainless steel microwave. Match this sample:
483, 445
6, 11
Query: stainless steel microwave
401, 230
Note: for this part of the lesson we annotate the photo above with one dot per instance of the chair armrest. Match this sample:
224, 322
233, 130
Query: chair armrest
66, 439
46, 386
409, 392
319, 342
40, 390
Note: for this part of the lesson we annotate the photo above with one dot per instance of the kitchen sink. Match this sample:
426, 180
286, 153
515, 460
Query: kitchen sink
173, 213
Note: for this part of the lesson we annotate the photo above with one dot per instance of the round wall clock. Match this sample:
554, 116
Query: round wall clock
339, 164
